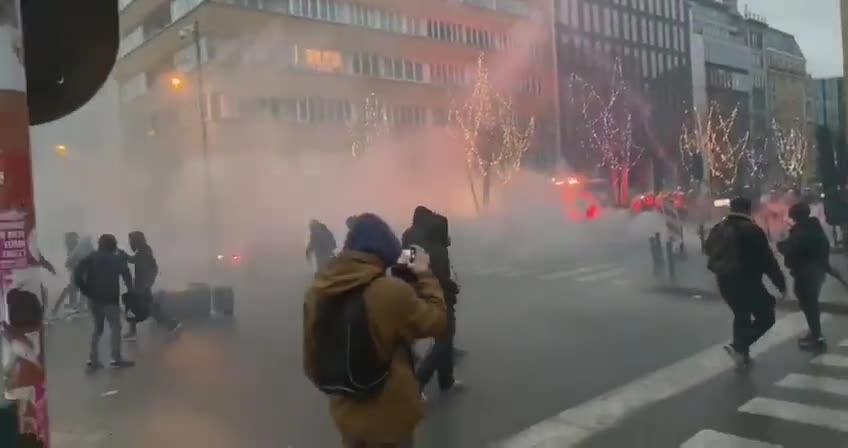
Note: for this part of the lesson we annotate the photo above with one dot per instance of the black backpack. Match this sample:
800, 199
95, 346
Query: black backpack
347, 361
722, 249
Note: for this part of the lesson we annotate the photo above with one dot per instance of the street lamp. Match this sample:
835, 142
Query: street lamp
62, 151
176, 82
193, 32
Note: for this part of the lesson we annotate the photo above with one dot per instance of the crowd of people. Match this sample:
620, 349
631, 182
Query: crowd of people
366, 307
95, 280
739, 254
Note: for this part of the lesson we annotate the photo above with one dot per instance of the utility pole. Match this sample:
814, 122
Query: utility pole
211, 225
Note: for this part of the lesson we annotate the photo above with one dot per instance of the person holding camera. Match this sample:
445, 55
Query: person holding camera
353, 303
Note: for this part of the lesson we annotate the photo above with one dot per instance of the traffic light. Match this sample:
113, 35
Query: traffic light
70, 47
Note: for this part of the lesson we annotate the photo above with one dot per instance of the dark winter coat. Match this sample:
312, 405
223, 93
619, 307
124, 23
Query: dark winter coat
322, 243
430, 231
146, 268
98, 276
806, 249
754, 253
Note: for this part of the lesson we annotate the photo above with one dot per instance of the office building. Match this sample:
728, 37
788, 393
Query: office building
828, 98
304, 70
647, 41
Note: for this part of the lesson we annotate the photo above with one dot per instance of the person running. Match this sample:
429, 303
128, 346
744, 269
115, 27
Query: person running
146, 271
98, 277
806, 253
739, 254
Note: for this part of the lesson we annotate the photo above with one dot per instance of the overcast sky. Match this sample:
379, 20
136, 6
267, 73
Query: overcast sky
816, 26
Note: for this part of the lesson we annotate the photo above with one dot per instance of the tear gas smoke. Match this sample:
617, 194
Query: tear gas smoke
264, 194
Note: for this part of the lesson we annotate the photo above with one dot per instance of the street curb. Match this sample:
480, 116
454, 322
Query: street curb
704, 294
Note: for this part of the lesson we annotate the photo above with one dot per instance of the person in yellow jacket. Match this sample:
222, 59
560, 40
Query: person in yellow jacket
399, 312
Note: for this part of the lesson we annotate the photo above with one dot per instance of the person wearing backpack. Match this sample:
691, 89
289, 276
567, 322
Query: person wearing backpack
739, 255
806, 252
359, 325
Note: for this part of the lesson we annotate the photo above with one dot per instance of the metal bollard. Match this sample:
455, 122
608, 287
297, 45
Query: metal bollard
669, 250
656, 256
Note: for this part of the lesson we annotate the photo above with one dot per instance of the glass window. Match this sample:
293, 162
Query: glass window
575, 14
654, 65
674, 9
607, 23
661, 34
419, 72
587, 18
408, 70
644, 34
596, 18
651, 32
398, 69
650, 6
626, 22
645, 64
634, 27
616, 31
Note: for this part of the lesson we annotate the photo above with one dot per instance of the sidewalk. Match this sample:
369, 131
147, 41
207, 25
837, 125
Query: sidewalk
693, 280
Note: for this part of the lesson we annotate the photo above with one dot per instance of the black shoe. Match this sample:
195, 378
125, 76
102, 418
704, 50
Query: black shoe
812, 344
121, 364
806, 339
455, 387
741, 359
93, 364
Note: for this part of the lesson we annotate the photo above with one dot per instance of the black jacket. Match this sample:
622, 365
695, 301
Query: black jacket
806, 248
99, 274
754, 253
429, 230
146, 268
322, 243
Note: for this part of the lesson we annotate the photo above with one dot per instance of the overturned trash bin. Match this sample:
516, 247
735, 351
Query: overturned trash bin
191, 303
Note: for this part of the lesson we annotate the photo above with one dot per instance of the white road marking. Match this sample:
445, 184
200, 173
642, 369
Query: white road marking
516, 274
575, 272
829, 360
601, 275
714, 439
815, 383
797, 412
109, 393
577, 424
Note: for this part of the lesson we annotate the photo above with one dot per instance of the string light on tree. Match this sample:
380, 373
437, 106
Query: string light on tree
712, 136
369, 124
608, 128
792, 147
757, 159
493, 139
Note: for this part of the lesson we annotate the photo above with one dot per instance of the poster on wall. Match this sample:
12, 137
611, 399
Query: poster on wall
21, 308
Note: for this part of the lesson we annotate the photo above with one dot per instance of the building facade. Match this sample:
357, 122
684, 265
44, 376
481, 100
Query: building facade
639, 48
721, 50
828, 98
306, 71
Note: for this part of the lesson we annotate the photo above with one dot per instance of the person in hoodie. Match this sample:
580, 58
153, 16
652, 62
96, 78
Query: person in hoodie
806, 253
321, 245
430, 231
398, 312
739, 255
146, 271
98, 276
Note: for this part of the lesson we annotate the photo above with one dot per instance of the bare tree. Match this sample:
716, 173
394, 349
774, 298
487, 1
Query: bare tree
792, 147
493, 139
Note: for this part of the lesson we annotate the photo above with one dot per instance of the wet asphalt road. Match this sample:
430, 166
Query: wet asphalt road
542, 335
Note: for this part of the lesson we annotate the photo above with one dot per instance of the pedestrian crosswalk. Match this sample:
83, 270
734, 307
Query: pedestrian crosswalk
612, 272
814, 416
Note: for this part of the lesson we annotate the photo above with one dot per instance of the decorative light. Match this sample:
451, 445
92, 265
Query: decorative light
608, 124
494, 142
792, 147
176, 82
711, 136
370, 123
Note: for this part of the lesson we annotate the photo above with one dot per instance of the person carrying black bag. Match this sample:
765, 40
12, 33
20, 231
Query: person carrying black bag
146, 271
430, 231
